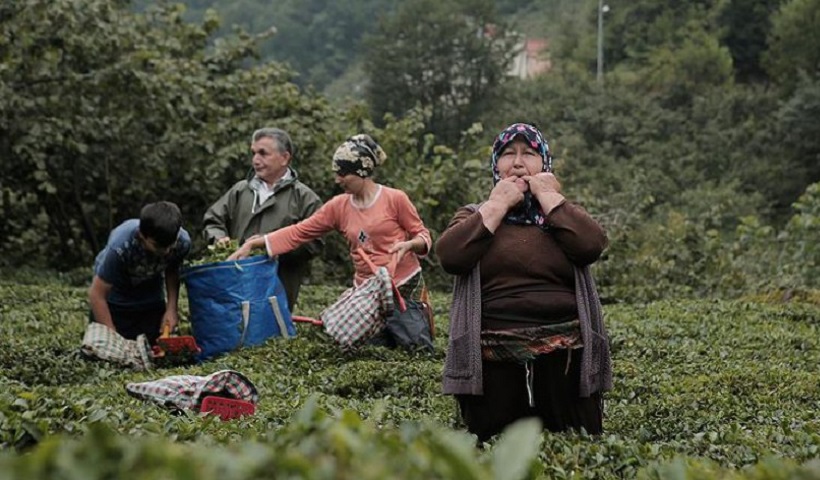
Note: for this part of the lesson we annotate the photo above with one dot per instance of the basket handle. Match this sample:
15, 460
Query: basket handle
302, 319
373, 268
360, 251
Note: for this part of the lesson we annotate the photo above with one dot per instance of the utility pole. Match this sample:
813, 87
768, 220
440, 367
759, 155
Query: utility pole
602, 9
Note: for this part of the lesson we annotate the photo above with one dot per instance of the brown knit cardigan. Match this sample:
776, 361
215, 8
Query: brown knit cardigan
462, 365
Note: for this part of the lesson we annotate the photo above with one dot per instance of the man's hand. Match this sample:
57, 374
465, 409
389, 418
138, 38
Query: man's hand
222, 241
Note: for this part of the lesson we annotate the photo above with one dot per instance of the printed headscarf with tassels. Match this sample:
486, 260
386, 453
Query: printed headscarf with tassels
529, 212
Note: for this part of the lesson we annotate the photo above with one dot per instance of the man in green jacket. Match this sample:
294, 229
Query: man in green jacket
268, 200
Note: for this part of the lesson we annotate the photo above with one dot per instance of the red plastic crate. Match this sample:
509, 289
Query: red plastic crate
227, 408
179, 344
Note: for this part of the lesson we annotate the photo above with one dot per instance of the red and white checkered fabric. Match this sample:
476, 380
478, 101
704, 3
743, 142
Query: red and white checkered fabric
186, 392
360, 312
103, 343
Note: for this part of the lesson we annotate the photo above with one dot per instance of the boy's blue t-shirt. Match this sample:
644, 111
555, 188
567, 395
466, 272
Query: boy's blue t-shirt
137, 276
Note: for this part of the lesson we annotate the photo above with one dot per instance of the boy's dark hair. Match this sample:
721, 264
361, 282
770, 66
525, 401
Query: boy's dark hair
161, 221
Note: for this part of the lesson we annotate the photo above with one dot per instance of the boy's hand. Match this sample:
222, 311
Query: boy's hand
171, 319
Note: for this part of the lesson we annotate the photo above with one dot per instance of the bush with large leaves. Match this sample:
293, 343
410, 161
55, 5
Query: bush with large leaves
103, 110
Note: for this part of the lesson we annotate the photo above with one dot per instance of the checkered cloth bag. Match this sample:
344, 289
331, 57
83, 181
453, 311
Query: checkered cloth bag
103, 343
360, 312
186, 392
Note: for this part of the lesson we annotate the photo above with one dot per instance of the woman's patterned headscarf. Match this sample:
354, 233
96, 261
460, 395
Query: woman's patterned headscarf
358, 155
529, 212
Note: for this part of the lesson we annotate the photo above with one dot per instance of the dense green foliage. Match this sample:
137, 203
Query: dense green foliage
319, 39
733, 383
103, 110
460, 55
794, 36
314, 445
699, 151
322, 40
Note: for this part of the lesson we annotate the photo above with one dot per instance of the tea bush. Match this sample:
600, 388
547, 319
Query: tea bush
703, 389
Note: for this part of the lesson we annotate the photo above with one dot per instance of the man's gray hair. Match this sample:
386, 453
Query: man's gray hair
285, 144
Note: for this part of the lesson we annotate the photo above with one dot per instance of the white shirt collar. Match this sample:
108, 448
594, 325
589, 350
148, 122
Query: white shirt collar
263, 190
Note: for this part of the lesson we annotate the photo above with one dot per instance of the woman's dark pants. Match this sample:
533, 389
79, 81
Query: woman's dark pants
555, 395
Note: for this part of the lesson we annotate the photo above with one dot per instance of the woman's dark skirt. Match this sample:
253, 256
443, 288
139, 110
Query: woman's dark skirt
555, 395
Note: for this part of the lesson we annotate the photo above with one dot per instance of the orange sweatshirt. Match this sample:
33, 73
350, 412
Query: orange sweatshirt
389, 219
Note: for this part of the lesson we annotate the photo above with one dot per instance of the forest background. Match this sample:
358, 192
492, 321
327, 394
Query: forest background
697, 148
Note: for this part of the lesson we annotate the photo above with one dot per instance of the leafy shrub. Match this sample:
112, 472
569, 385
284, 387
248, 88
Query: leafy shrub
769, 469
312, 445
728, 382
788, 259
692, 254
